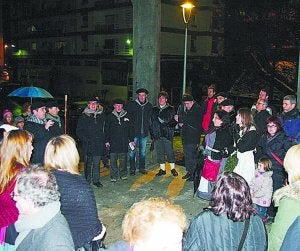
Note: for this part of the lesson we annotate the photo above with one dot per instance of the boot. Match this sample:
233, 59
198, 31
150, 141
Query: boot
173, 171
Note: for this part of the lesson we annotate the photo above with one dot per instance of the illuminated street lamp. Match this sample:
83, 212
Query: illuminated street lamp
186, 14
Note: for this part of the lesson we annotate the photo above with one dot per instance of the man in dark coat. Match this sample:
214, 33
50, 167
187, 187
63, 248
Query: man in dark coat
90, 130
261, 115
139, 112
37, 124
162, 130
52, 114
117, 139
189, 118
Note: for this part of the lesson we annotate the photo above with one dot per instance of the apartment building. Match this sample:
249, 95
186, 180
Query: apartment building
85, 47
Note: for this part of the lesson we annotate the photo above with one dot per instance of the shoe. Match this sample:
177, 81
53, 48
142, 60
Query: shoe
113, 180
143, 171
174, 172
123, 177
98, 184
160, 172
132, 173
186, 176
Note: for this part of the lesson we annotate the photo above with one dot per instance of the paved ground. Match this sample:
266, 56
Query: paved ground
114, 199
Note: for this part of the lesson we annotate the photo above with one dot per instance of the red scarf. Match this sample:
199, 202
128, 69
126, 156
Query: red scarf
207, 115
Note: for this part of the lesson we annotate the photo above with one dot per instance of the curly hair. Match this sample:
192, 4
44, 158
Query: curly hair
231, 196
37, 184
141, 217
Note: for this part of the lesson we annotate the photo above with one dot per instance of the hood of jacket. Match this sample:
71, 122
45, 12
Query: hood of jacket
290, 191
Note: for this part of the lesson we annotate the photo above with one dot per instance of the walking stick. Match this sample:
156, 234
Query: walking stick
66, 102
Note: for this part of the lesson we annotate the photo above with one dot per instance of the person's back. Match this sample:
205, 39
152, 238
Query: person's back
210, 232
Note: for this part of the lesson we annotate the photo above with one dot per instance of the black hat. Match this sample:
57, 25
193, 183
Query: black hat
226, 102
93, 99
118, 101
52, 103
36, 105
187, 97
222, 94
141, 90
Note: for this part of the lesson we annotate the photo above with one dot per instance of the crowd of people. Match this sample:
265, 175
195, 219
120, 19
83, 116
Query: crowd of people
46, 204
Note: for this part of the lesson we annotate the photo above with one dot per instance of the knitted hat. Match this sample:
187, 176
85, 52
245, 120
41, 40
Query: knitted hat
142, 90
19, 119
6, 113
226, 102
187, 97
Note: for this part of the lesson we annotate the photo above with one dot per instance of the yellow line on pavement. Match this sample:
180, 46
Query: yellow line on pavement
146, 178
176, 185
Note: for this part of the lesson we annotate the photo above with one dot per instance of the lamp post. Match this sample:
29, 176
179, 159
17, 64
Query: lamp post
186, 14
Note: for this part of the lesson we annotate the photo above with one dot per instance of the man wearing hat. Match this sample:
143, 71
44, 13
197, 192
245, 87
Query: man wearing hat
52, 114
189, 118
228, 106
117, 140
90, 130
139, 112
38, 125
162, 130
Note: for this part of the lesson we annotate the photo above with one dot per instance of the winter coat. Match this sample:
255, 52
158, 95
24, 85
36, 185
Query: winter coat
78, 205
245, 144
261, 187
279, 145
162, 122
293, 114
291, 240
118, 246
139, 115
117, 132
207, 115
44, 230
260, 119
218, 233
288, 201
191, 128
291, 124
40, 140
90, 130
58, 128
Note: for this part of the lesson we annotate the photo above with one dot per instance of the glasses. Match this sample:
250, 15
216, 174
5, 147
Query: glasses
271, 126
13, 194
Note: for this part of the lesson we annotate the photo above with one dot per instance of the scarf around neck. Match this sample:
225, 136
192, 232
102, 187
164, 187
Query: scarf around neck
119, 115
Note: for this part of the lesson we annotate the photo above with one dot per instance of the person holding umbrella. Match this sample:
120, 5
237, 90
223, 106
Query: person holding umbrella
38, 125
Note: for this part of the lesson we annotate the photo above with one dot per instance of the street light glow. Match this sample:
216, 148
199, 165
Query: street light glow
187, 7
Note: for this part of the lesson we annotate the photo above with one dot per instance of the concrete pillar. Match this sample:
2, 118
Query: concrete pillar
146, 46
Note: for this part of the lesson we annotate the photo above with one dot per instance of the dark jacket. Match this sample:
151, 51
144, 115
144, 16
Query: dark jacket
41, 138
293, 114
191, 120
78, 205
291, 240
117, 132
247, 142
58, 128
90, 130
260, 119
278, 144
218, 233
223, 143
162, 122
139, 115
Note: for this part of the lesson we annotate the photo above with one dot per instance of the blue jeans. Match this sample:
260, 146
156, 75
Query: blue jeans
140, 142
261, 211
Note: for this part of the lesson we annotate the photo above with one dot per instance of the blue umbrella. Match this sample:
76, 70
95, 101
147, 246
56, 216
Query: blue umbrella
30, 92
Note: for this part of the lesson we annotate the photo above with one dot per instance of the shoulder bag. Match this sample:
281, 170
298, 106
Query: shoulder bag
242, 241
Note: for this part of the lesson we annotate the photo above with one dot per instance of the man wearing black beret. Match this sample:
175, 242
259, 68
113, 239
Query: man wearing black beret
139, 112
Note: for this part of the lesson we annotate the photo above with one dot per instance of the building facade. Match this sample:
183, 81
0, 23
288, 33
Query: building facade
85, 47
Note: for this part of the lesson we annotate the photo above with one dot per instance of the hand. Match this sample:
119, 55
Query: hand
180, 124
132, 143
48, 124
107, 145
100, 236
176, 117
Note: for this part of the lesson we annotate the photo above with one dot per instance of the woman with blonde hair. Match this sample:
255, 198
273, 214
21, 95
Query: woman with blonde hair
152, 224
78, 203
245, 139
287, 199
15, 153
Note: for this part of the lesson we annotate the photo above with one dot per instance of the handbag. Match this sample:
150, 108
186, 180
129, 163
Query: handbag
231, 162
211, 169
277, 158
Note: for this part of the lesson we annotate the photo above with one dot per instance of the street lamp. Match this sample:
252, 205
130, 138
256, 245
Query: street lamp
186, 14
